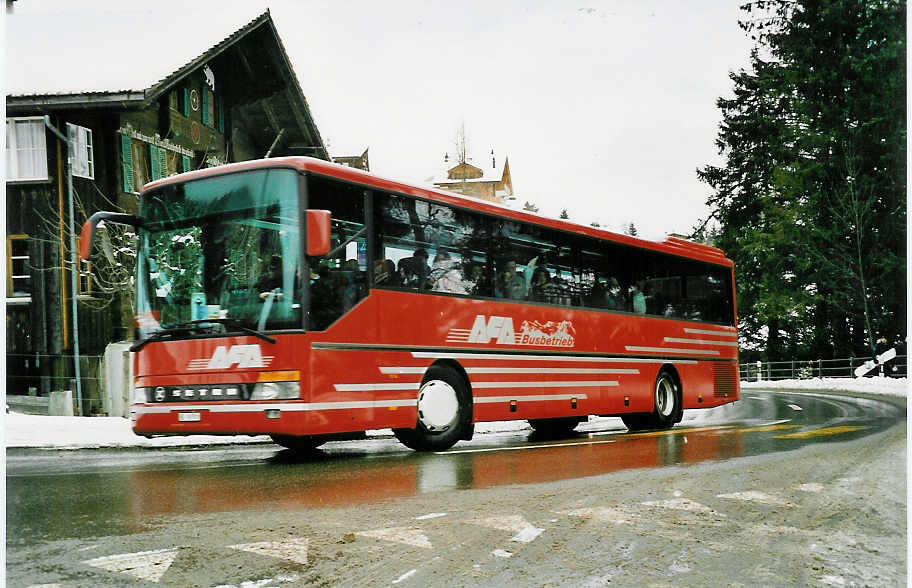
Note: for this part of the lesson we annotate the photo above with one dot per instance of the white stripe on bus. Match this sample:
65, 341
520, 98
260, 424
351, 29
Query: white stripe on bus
701, 342
708, 332
382, 387
287, 407
671, 350
512, 370
569, 384
376, 387
579, 358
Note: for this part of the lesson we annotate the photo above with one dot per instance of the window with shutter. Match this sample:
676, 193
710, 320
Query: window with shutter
126, 152
173, 163
141, 165
162, 163
155, 161
185, 107
205, 107
26, 149
185, 162
80, 151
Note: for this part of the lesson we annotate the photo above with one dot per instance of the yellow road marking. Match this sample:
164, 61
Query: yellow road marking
765, 428
822, 432
677, 431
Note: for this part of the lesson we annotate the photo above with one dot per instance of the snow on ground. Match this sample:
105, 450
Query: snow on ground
21, 430
877, 385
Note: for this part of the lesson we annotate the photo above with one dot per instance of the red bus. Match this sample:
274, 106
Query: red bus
311, 302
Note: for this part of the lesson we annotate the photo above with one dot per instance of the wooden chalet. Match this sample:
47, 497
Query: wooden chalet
238, 100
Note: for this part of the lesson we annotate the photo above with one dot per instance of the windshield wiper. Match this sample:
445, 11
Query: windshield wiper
236, 324
165, 333
197, 325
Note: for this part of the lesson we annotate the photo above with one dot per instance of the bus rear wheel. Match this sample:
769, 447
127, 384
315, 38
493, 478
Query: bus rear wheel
555, 428
444, 410
298, 443
667, 405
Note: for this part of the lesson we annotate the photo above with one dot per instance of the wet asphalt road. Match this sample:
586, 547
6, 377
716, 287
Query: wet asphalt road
62, 502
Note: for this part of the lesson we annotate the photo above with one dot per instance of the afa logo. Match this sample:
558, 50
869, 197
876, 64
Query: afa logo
240, 356
499, 328
501, 331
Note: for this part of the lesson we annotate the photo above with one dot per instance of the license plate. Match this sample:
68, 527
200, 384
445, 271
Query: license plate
188, 417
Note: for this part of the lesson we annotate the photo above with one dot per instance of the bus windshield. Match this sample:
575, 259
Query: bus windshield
223, 248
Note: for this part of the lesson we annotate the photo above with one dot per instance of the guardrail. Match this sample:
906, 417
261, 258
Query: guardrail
819, 368
37, 375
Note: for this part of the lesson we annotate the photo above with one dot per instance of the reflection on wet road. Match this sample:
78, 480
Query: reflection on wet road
67, 495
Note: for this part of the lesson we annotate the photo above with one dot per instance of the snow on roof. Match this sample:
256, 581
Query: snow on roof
59, 55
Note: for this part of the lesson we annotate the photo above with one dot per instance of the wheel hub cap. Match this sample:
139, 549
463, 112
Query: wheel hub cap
438, 405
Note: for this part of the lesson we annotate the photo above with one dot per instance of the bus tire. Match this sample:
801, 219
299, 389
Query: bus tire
298, 443
555, 428
443, 412
667, 406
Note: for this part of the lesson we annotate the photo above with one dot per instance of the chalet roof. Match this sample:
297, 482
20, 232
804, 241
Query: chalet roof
491, 173
88, 78
86, 72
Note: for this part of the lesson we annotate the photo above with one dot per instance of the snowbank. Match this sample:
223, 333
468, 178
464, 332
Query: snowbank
21, 430
877, 385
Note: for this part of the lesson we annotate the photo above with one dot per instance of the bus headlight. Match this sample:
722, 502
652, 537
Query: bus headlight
139, 396
275, 391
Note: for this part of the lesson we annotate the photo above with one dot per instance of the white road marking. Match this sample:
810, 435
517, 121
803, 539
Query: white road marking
795, 407
294, 549
756, 496
683, 504
433, 515
252, 583
404, 535
525, 531
145, 565
603, 514
811, 487
501, 553
755, 397
527, 535
406, 576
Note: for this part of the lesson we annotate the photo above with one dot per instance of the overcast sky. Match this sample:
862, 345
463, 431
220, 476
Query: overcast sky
605, 108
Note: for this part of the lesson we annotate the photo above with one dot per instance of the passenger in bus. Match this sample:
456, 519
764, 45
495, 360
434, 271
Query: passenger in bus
270, 283
385, 273
598, 295
351, 286
324, 302
510, 284
445, 276
541, 289
477, 282
414, 270
614, 297
638, 297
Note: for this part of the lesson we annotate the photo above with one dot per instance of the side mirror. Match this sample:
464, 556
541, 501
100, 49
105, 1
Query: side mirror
318, 232
88, 229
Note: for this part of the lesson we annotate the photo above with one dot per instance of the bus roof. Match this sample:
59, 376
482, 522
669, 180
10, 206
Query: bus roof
671, 245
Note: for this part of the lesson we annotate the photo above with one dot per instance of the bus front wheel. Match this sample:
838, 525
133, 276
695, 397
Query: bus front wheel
443, 412
667, 405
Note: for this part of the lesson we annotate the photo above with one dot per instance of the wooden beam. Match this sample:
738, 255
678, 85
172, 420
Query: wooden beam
269, 111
